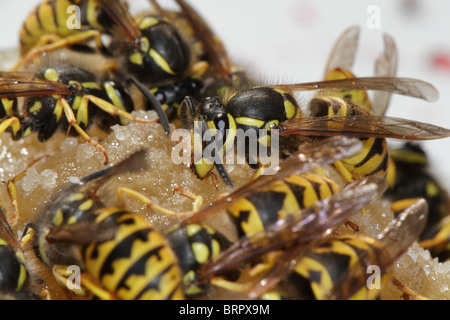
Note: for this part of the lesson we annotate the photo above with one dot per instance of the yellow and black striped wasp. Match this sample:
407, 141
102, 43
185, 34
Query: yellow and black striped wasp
148, 50
17, 281
119, 254
64, 95
340, 109
311, 263
413, 180
160, 266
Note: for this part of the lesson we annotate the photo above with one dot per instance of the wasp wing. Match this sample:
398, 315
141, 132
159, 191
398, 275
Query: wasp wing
388, 246
385, 66
315, 155
364, 126
344, 51
13, 88
299, 232
6, 233
118, 12
211, 44
404, 86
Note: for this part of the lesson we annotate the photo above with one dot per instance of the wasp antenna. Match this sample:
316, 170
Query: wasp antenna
154, 103
134, 162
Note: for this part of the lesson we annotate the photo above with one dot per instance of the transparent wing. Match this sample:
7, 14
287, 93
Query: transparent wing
301, 232
13, 88
404, 86
315, 155
391, 243
385, 66
364, 126
118, 12
212, 45
344, 51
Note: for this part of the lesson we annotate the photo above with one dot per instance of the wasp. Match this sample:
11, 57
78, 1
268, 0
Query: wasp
62, 96
120, 254
149, 50
311, 264
263, 201
316, 155
16, 280
271, 109
413, 180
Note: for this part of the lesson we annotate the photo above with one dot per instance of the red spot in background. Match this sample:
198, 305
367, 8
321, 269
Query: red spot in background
440, 61
304, 13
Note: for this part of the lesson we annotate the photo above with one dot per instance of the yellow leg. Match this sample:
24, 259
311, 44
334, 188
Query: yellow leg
408, 294
151, 204
12, 191
73, 123
12, 122
65, 42
86, 283
111, 109
230, 285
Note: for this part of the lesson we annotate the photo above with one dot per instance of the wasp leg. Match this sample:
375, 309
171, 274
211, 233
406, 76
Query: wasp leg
12, 191
12, 122
73, 123
109, 108
84, 286
408, 294
62, 43
151, 204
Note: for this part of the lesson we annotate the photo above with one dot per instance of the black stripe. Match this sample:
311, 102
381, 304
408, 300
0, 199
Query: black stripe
381, 167
299, 193
53, 6
123, 250
267, 204
376, 148
155, 283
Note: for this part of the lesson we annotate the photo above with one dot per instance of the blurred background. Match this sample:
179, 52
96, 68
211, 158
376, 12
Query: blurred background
289, 41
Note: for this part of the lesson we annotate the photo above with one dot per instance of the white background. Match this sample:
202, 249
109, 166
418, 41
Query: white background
289, 41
